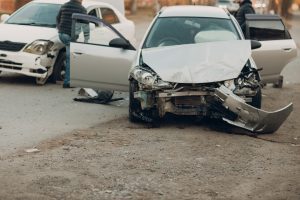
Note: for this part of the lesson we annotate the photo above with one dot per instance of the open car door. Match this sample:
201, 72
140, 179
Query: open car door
278, 48
100, 57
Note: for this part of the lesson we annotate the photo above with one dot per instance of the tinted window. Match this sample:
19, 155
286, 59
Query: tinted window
36, 14
109, 16
170, 31
267, 30
93, 13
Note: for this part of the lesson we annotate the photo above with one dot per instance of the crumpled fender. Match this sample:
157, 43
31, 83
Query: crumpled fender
249, 117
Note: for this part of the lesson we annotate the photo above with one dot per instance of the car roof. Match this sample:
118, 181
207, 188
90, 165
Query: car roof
194, 11
262, 17
85, 3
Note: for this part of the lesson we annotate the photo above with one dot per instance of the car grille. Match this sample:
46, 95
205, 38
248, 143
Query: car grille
11, 46
10, 65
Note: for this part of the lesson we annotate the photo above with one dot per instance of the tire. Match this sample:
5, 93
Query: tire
59, 67
134, 105
279, 83
256, 100
105, 95
136, 114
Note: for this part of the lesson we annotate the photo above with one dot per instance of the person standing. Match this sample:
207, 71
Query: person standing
64, 26
245, 8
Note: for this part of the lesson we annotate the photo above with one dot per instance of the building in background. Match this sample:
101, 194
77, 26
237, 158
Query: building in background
9, 6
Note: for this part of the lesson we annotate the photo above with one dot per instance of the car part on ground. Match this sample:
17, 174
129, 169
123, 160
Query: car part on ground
249, 117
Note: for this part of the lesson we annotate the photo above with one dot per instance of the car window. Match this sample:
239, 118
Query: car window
96, 34
109, 16
93, 13
170, 31
267, 30
36, 14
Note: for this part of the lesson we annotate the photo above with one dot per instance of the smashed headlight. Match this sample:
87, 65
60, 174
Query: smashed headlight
142, 76
39, 47
230, 84
148, 79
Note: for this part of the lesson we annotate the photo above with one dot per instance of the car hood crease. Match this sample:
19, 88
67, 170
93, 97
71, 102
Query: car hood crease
199, 63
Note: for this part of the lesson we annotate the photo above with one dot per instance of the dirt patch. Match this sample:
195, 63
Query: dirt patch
182, 159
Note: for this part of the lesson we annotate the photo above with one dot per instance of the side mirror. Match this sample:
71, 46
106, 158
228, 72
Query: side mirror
255, 44
4, 17
119, 43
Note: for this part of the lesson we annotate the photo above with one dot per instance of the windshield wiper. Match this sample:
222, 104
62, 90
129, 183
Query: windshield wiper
35, 24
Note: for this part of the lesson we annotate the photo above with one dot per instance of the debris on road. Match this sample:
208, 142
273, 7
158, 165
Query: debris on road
32, 150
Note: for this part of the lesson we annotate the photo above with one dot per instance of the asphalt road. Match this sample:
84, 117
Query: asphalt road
30, 113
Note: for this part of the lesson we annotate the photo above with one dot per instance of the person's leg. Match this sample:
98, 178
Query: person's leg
66, 40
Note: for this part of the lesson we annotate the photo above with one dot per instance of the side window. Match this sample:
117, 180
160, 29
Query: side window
88, 33
93, 13
109, 16
267, 30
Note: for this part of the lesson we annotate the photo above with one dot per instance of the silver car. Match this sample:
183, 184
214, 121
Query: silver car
193, 60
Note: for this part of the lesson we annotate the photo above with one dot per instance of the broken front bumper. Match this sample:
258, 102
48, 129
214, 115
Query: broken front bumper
249, 117
23, 63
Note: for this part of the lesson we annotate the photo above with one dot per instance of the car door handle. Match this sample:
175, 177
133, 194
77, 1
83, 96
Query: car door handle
77, 53
287, 49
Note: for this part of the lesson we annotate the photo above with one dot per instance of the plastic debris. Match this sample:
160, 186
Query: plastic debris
32, 150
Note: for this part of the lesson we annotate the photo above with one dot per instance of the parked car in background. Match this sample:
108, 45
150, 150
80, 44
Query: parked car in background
193, 60
29, 42
278, 47
230, 5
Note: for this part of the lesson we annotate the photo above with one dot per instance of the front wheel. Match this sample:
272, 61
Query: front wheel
41, 81
134, 105
256, 100
59, 70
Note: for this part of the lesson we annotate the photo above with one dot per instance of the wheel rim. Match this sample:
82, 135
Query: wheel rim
63, 70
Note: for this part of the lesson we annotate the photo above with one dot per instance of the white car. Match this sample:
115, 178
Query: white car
193, 60
29, 42
230, 5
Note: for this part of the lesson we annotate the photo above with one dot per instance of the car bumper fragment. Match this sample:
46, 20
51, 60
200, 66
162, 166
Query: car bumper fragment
249, 117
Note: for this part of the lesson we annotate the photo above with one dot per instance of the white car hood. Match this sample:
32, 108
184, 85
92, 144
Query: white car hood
25, 34
199, 63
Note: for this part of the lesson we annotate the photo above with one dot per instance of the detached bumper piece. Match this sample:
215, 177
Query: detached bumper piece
249, 117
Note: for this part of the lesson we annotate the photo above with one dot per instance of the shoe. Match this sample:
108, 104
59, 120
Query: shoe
66, 85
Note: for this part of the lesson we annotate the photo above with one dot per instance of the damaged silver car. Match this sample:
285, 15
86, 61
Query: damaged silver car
192, 61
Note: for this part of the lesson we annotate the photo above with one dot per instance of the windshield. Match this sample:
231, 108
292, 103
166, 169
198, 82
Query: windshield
36, 14
169, 31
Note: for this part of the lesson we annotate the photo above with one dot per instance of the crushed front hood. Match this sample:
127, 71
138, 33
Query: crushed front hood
199, 63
